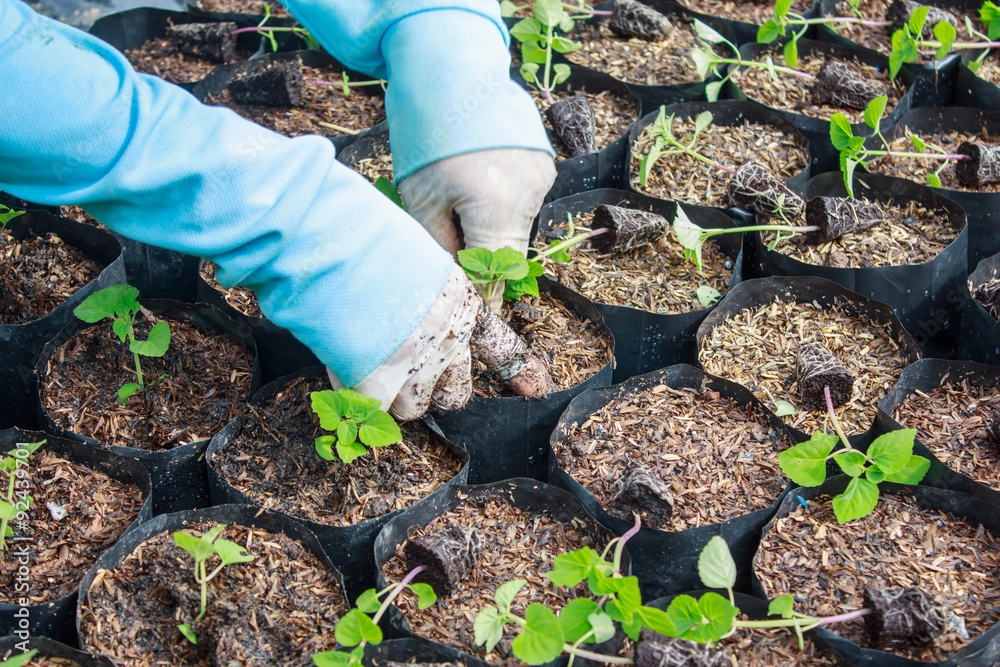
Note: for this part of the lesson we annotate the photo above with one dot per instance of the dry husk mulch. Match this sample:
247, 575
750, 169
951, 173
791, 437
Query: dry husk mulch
612, 116
78, 214
662, 63
517, 544
656, 277
778, 647
951, 420
683, 178
279, 609
792, 93
161, 58
255, 7
571, 348
373, 167
42, 661
719, 459
757, 348
756, 13
917, 170
274, 462
98, 509
241, 298
910, 234
990, 69
322, 106
826, 566
880, 38
39, 273
205, 382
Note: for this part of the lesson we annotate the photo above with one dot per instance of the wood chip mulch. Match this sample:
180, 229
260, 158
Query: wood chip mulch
880, 38
41, 661
273, 460
572, 348
758, 347
373, 167
201, 383
951, 420
686, 179
990, 69
255, 7
78, 214
656, 277
826, 566
917, 170
93, 510
792, 93
719, 459
612, 116
241, 298
161, 58
778, 647
517, 544
910, 234
753, 12
279, 609
39, 273
323, 106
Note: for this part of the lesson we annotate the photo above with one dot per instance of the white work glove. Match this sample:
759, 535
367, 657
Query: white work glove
432, 367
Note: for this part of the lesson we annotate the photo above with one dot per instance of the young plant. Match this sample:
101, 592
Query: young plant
357, 422
14, 501
665, 143
785, 21
909, 43
201, 549
6, 215
118, 303
20, 660
889, 458
359, 627
579, 8
539, 38
269, 32
854, 153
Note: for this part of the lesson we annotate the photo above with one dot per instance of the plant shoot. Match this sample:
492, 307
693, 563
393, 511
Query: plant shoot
910, 44
14, 501
539, 39
201, 549
786, 21
357, 421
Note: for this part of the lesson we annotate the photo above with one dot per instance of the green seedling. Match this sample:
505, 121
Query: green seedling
271, 31
910, 45
539, 39
889, 458
188, 633
201, 549
357, 421
787, 23
385, 186
118, 303
20, 660
665, 143
346, 84
707, 295
781, 408
6, 215
854, 153
14, 500
359, 627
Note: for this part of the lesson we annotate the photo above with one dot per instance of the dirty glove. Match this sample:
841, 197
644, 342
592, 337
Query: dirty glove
432, 367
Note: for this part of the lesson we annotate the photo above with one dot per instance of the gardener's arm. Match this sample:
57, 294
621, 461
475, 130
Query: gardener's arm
328, 256
464, 136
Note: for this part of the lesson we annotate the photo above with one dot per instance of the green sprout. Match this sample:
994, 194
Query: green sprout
118, 303
910, 45
346, 83
786, 21
385, 186
665, 143
357, 421
359, 627
781, 408
14, 501
509, 9
6, 215
707, 295
269, 32
539, 38
201, 549
20, 660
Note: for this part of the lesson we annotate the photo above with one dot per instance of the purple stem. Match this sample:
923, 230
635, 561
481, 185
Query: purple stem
842, 618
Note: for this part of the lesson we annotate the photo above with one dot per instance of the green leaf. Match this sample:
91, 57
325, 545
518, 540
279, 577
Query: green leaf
989, 14
689, 235
562, 72
355, 626
566, 25
891, 451
332, 659
351, 451
655, 619
508, 264
718, 615
702, 120
784, 409
231, 553
768, 32
840, 131
120, 327
707, 295
857, 500
874, 111
849, 167
527, 30
684, 614
385, 186
156, 343
575, 618
570, 568
563, 45
912, 472
212, 534
126, 391
347, 433
805, 463
604, 627
199, 548
541, 639
380, 430
557, 256
324, 446
918, 143
507, 8
425, 595
185, 629
933, 180
368, 601
101, 304
6, 215
488, 628
8, 511
704, 60
716, 566
782, 7
917, 19
782, 606
329, 406
712, 91
791, 53
355, 405
529, 72
532, 53
708, 34
549, 12
515, 289
874, 475
647, 163
628, 597
851, 462
506, 593
475, 260
945, 33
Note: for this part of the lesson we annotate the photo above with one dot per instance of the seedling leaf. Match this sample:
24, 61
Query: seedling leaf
332, 659
569, 569
912, 472
488, 628
712, 91
506, 593
917, 19
349, 452
707, 295
527, 30
783, 409
874, 111
355, 626
156, 343
703, 61
385, 186
702, 120
324, 446
198, 548
945, 33
186, 630
891, 451
791, 53
708, 34
933, 180
529, 71
684, 614
101, 304
425, 595
716, 566
805, 463
604, 627
126, 391
575, 618
840, 131
230, 552
549, 12
368, 601
781, 606
768, 32
379, 430
857, 500
561, 72
541, 639
852, 463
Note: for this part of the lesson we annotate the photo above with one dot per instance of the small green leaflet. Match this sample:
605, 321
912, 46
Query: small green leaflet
689, 235
874, 111
708, 34
488, 628
355, 626
890, 452
783, 409
385, 186
945, 33
368, 601
791, 53
781, 606
541, 639
707, 295
805, 463
840, 131
425, 595
768, 32
506, 593
185, 629
716, 566
857, 500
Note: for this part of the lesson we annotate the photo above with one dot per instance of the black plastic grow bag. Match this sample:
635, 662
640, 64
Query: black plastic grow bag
50, 649
980, 330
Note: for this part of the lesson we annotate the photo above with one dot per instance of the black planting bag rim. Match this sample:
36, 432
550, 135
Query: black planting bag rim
53, 649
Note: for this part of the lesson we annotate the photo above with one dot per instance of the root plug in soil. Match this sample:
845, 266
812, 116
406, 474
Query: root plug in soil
573, 120
987, 295
75, 515
902, 615
839, 85
279, 609
656, 650
162, 57
212, 41
277, 85
273, 461
816, 368
757, 348
686, 179
449, 555
717, 459
612, 113
982, 166
631, 18
628, 229
517, 544
643, 492
654, 277
240, 298
952, 421
838, 216
757, 190
498, 347
201, 383
899, 13
917, 170
827, 567
39, 273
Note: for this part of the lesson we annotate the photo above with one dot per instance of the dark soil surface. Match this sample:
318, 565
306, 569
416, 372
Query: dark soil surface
39, 273
612, 116
917, 170
273, 461
255, 7
279, 609
201, 383
241, 298
161, 58
93, 511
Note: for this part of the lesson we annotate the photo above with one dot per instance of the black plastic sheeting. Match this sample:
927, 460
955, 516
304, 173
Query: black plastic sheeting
415, 651
20, 344
980, 330
348, 546
179, 475
919, 293
646, 341
508, 436
981, 652
525, 494
54, 619
51, 649
975, 92
666, 562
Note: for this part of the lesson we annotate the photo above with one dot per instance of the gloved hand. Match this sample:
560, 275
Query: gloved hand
432, 367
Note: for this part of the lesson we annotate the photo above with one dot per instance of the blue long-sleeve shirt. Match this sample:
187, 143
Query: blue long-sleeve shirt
328, 256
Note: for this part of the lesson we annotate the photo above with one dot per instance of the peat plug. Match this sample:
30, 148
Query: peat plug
573, 120
899, 11
497, 346
757, 190
643, 492
904, 615
212, 41
981, 167
837, 216
816, 367
628, 228
634, 19
838, 85
656, 650
277, 85
449, 555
